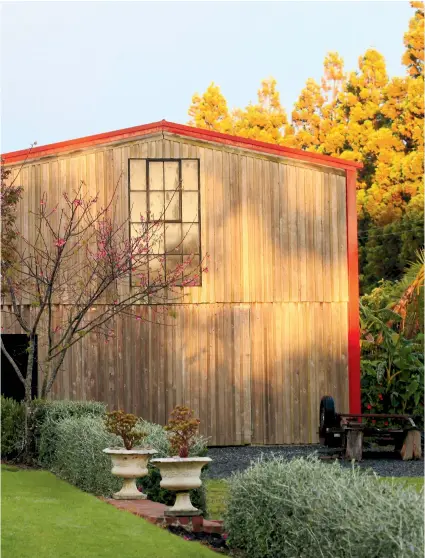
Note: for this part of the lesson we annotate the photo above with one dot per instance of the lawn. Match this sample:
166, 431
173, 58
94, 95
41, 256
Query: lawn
415, 482
45, 517
216, 496
217, 491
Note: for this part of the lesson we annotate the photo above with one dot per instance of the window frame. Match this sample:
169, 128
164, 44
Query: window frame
178, 160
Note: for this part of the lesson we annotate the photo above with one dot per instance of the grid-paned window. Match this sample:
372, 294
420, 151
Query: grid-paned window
167, 190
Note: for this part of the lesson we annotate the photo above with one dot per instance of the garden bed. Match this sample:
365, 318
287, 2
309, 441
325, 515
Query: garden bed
215, 541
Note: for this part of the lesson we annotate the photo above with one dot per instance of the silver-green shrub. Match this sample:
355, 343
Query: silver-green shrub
304, 508
78, 456
76, 452
47, 415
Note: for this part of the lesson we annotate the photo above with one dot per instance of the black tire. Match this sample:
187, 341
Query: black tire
327, 418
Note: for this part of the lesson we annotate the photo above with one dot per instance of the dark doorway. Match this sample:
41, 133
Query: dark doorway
11, 386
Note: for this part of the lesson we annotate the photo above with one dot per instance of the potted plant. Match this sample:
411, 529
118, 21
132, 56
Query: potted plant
131, 461
181, 473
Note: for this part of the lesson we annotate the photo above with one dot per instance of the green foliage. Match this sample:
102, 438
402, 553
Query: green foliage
78, 456
46, 417
183, 427
73, 435
12, 427
385, 251
392, 367
303, 508
124, 425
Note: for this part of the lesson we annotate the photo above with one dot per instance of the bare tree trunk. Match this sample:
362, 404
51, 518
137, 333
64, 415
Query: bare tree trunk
27, 400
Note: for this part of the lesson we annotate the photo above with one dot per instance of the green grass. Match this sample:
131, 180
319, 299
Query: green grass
415, 482
45, 517
217, 492
216, 496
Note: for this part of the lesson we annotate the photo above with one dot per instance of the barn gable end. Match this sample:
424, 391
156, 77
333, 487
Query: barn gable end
271, 329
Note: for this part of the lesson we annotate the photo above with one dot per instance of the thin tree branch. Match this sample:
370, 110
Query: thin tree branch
12, 362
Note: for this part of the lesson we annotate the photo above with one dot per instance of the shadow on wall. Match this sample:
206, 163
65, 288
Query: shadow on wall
271, 338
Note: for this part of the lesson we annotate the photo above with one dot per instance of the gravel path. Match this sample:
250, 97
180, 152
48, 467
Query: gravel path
227, 460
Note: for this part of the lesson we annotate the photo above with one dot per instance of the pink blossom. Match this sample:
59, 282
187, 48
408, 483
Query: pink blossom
42, 202
60, 242
78, 202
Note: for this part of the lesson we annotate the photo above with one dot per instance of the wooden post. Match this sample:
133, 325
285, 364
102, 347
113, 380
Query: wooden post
411, 448
354, 446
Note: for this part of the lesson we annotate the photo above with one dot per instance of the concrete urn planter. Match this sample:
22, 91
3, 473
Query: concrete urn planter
129, 465
181, 474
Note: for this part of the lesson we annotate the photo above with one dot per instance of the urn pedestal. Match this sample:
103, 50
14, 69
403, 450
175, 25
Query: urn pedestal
181, 474
129, 465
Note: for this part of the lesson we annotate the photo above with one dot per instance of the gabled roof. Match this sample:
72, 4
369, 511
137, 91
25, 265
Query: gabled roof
180, 130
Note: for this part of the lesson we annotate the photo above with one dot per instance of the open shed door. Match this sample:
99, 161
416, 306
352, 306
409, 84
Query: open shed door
11, 386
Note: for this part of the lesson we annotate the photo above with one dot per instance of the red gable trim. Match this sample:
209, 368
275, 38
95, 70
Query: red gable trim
187, 131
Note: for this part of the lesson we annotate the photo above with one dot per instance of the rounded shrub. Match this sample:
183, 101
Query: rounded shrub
46, 417
303, 508
12, 427
78, 457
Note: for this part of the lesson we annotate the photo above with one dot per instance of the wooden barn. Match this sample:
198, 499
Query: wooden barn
274, 324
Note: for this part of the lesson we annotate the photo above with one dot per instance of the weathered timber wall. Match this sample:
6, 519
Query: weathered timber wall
254, 348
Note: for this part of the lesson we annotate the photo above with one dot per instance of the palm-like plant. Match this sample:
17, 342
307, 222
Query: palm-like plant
409, 293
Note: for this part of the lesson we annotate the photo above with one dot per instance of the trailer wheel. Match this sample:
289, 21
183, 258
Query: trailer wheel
328, 418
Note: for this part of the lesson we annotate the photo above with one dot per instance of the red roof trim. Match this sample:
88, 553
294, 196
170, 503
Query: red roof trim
187, 131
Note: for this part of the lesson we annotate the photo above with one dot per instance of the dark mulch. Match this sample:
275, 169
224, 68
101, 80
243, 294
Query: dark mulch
385, 463
213, 540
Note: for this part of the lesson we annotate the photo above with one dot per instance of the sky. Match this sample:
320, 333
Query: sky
71, 69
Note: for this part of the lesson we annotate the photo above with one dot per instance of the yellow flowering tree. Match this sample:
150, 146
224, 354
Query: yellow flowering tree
210, 111
264, 121
363, 116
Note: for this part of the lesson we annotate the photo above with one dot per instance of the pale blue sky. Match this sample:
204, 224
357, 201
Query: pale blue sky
78, 68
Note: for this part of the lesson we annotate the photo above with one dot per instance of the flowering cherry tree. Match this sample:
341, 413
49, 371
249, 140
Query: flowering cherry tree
78, 256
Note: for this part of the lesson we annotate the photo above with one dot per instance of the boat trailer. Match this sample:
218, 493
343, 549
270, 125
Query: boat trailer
345, 432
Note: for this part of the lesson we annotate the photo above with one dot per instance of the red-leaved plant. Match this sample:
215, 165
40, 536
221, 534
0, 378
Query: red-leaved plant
183, 427
124, 425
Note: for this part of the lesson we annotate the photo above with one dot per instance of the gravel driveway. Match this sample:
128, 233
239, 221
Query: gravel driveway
227, 460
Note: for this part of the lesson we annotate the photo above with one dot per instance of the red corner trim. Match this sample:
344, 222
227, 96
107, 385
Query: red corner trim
187, 131
353, 297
